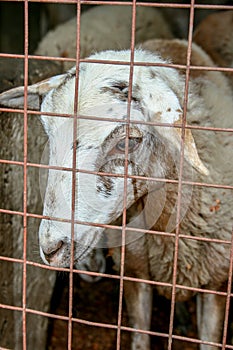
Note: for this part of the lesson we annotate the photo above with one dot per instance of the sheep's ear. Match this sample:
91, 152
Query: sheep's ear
190, 150
174, 134
14, 98
165, 108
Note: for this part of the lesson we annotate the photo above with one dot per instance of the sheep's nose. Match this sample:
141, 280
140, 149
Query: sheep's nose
51, 252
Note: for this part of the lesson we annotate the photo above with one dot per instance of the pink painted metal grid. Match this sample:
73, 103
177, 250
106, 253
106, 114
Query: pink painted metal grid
25, 164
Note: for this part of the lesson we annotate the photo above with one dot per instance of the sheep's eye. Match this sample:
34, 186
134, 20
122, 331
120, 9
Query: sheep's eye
132, 145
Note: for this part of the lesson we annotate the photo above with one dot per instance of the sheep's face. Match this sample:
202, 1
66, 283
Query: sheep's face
101, 146
98, 198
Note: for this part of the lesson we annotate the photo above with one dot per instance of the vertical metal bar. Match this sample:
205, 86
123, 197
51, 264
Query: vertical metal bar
24, 301
73, 200
228, 298
124, 215
179, 199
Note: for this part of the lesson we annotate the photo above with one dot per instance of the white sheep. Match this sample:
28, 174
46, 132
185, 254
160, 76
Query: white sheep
103, 28
153, 152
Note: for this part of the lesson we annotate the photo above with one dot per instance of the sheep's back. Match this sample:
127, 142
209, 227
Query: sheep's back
103, 28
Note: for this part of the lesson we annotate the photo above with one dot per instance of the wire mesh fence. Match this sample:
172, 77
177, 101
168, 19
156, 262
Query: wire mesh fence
28, 175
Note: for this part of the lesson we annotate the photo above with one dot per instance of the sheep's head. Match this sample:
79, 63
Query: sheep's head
102, 143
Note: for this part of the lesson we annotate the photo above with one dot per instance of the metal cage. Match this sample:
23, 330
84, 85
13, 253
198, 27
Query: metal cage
23, 311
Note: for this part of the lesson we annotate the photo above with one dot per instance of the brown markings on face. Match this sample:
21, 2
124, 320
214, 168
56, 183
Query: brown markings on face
119, 90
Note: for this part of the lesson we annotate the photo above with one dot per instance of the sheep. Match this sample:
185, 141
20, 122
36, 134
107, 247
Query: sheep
103, 28
95, 261
214, 35
179, 17
154, 151
53, 15
95, 37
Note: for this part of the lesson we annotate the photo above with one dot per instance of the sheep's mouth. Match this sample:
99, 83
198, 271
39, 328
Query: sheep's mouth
62, 257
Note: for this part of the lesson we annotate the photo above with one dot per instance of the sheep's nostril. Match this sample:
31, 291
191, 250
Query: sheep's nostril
49, 255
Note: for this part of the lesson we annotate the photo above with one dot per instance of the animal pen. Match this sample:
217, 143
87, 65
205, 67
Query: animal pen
44, 306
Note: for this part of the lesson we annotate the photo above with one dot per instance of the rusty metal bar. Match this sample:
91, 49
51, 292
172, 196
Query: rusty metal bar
124, 215
168, 234
74, 161
228, 298
137, 122
24, 301
114, 62
178, 216
136, 177
153, 232
127, 3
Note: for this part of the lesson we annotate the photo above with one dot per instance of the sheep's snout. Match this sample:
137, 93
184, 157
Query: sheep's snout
54, 243
51, 252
